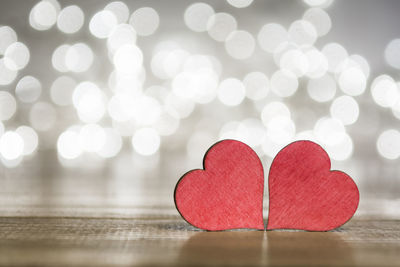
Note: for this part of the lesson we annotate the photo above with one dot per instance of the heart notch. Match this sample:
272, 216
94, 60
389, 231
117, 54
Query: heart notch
304, 193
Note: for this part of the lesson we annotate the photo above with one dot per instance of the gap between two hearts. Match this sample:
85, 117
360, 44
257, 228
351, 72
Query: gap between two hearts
303, 192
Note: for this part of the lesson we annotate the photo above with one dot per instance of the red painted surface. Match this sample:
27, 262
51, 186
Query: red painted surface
305, 194
228, 193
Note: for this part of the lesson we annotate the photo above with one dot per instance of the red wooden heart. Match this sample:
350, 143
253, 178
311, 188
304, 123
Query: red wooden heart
305, 194
227, 193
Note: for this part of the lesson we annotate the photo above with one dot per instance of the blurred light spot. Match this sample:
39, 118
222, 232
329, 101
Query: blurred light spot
128, 59
158, 92
145, 21
284, 83
182, 106
240, 44
396, 107
319, 19
362, 63
42, 116
388, 144
30, 138
120, 11
207, 88
160, 53
257, 85
271, 148
185, 85
282, 49
146, 141
11, 163
197, 15
335, 54
240, 3
271, 36
71, 19
322, 89
102, 24
329, 131
92, 138
197, 84
28, 89
220, 25
61, 90
345, 109
320, 3
167, 123
16, 56
302, 33
11, 145
79, 57
173, 62
231, 92
342, 150
157, 65
197, 62
88, 100
317, 64
68, 145
7, 37
43, 15
251, 131
127, 83
112, 144
294, 61
124, 128
385, 91
8, 105
120, 107
281, 129
396, 110
7, 76
392, 53
58, 59
272, 110
167, 64
145, 110
352, 81
229, 130
350, 63
123, 34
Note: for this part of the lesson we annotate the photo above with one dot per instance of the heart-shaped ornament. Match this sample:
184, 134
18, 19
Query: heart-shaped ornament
227, 193
305, 194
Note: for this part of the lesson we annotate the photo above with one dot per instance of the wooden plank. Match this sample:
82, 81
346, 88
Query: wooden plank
170, 241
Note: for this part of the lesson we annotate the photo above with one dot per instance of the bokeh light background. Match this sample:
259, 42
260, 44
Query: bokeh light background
104, 105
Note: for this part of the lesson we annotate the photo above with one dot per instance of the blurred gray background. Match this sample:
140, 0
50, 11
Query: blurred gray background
44, 180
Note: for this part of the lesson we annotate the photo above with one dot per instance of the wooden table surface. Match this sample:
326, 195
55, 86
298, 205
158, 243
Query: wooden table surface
78, 220
167, 240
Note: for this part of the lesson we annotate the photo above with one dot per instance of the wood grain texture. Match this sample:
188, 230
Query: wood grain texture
305, 194
170, 241
228, 193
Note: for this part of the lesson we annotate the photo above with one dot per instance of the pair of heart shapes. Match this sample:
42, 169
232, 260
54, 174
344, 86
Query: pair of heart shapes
304, 193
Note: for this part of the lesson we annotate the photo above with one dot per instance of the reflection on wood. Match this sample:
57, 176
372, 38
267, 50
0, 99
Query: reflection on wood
224, 248
169, 241
306, 248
